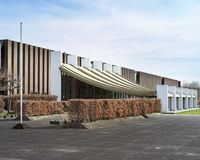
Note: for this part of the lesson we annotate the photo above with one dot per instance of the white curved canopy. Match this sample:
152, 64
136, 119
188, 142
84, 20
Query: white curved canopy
105, 80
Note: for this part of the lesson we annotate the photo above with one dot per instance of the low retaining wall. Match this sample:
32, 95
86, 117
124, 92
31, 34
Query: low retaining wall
92, 110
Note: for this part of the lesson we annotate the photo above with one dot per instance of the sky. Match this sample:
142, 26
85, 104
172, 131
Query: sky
161, 37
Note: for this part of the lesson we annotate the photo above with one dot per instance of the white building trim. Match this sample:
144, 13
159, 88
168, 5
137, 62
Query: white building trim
56, 57
176, 99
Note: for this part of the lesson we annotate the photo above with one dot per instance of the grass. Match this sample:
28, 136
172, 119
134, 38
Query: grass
192, 112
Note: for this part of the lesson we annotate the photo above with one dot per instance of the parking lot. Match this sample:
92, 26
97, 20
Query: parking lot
163, 137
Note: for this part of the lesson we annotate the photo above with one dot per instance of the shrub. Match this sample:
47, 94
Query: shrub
31, 97
40, 108
1, 104
83, 110
198, 103
97, 109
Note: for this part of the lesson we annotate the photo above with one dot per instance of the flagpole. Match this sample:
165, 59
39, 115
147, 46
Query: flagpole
20, 125
21, 75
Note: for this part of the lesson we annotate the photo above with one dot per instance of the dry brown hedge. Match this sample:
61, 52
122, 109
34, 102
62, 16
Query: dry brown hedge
97, 109
1, 104
32, 97
92, 109
40, 108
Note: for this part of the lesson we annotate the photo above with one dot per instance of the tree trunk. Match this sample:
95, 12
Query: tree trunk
10, 100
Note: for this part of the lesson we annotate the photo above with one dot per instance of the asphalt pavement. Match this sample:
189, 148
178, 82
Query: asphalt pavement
173, 137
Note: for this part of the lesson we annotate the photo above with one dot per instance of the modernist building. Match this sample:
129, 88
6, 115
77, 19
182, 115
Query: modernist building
82, 78
175, 99
68, 76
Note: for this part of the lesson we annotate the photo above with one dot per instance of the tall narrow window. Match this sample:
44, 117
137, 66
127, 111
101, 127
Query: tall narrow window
184, 104
177, 103
170, 103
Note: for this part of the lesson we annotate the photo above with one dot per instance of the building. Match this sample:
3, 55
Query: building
36, 66
151, 81
69, 76
83, 78
175, 99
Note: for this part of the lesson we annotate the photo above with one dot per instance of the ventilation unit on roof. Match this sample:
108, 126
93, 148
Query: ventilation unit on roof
116, 69
85, 62
72, 59
107, 67
97, 65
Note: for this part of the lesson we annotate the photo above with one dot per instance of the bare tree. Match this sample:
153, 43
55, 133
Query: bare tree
8, 83
193, 85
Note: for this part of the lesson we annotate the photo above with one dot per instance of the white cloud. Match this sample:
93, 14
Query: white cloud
155, 41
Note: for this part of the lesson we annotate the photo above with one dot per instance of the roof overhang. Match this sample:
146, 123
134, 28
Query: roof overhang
107, 81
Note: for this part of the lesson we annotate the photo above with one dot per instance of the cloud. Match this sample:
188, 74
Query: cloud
160, 37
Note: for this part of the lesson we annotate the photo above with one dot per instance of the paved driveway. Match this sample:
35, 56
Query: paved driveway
166, 137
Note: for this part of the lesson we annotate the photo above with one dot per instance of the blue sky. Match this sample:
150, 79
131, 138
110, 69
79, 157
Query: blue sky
156, 36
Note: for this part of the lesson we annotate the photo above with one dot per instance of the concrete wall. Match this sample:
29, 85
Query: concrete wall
148, 80
175, 99
128, 74
171, 82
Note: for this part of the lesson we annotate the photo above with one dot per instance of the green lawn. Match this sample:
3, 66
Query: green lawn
193, 112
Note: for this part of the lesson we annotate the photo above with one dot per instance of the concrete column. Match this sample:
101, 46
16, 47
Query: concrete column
15, 71
174, 102
31, 69
36, 70
56, 73
191, 102
172, 90
49, 72
41, 71
179, 91
185, 91
9, 57
196, 96
162, 94
45, 71
26, 70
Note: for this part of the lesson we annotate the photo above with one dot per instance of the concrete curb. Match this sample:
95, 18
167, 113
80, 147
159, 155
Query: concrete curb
52, 117
116, 122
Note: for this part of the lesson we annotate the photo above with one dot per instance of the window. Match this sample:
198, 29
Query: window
177, 103
184, 103
189, 99
169, 103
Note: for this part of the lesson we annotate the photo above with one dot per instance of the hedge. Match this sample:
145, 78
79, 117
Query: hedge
92, 109
40, 108
97, 109
1, 104
198, 103
31, 97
